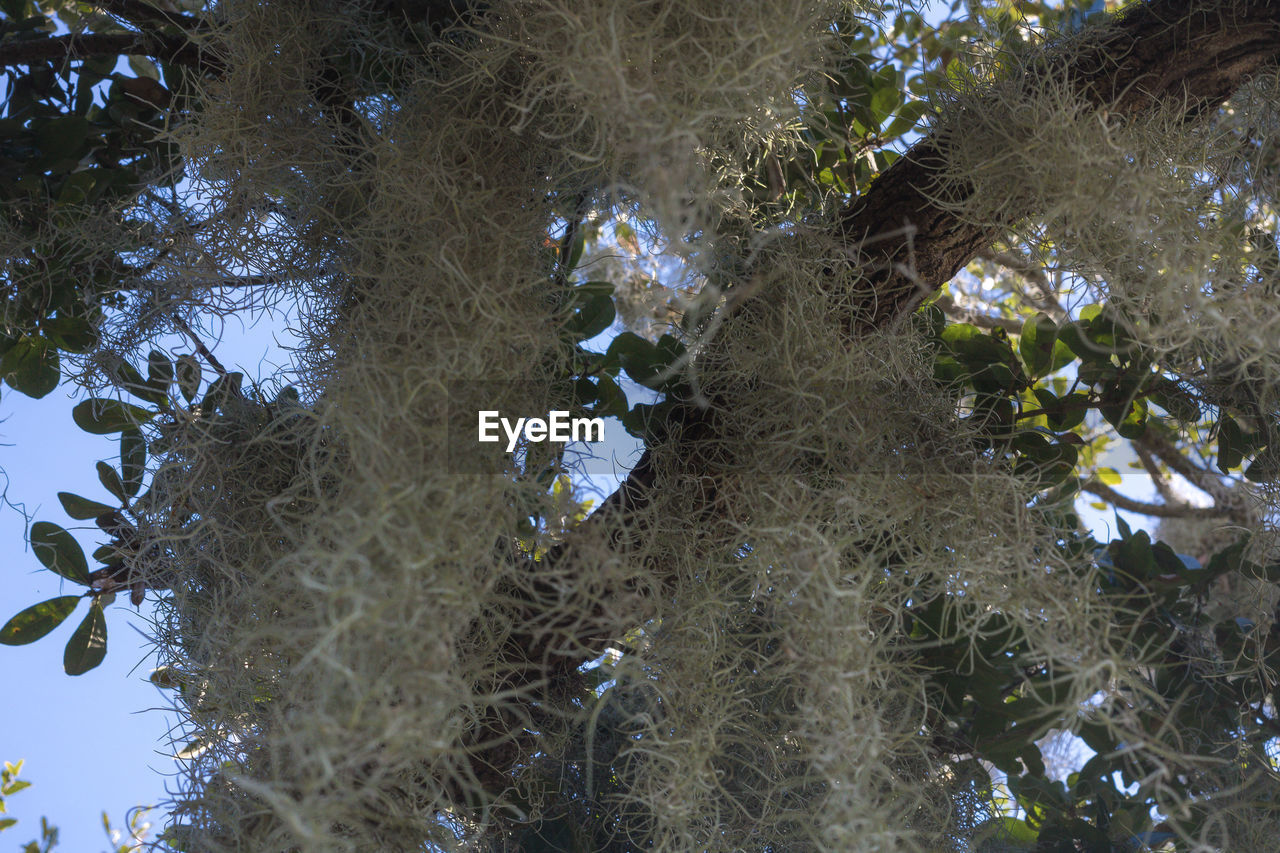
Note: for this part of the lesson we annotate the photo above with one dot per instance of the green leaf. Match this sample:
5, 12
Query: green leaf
62, 138
102, 416
159, 372
592, 318
144, 67
31, 366
1037, 342
188, 377
1003, 832
59, 551
1050, 463
1065, 413
165, 677
88, 645
1264, 468
111, 482
1129, 420
37, 620
990, 360
80, 508
1231, 444
1075, 336
129, 379
638, 357
906, 118
575, 250
73, 334
611, 400
133, 459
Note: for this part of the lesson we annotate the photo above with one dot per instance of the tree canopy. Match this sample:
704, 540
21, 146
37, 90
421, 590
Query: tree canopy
884, 290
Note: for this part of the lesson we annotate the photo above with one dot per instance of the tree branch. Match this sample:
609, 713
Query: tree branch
1158, 477
1179, 510
1206, 481
977, 318
1033, 274
174, 49
139, 14
1184, 52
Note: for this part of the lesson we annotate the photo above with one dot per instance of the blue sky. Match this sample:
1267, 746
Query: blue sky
96, 742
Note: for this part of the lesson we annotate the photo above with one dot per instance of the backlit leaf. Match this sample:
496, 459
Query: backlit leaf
88, 645
37, 620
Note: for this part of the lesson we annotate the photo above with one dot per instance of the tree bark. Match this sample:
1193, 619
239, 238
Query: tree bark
175, 49
1169, 52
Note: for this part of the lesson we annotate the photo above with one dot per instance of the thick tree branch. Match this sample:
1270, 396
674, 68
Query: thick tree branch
174, 49
139, 14
1193, 54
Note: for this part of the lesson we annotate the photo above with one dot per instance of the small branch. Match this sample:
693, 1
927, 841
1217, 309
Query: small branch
1178, 510
199, 345
977, 318
1207, 482
1033, 274
1158, 476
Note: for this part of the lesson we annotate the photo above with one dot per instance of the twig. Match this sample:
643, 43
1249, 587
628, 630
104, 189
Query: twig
199, 346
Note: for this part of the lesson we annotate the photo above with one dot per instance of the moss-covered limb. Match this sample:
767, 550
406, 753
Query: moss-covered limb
1161, 53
